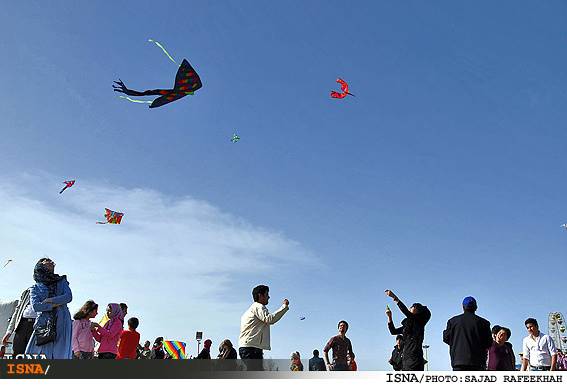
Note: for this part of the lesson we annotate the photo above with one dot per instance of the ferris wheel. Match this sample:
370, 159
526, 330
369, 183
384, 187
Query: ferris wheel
557, 330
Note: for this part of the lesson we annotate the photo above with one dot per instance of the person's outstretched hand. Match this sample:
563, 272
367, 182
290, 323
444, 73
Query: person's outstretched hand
391, 294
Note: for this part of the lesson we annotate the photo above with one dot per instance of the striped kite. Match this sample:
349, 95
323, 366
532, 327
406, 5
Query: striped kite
176, 349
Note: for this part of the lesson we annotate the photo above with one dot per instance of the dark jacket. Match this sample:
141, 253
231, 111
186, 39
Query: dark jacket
317, 364
413, 330
469, 338
204, 354
396, 359
501, 357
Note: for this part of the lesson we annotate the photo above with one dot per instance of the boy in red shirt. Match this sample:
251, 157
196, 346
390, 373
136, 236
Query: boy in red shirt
129, 340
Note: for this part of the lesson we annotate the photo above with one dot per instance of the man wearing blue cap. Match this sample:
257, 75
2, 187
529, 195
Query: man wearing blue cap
469, 338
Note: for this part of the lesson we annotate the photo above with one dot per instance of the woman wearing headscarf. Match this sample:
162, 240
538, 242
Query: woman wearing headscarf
413, 330
109, 334
500, 354
226, 350
296, 364
49, 297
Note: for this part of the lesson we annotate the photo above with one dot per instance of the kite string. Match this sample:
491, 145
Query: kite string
163, 49
134, 100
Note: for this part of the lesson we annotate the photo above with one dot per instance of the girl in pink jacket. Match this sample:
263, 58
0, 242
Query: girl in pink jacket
109, 334
82, 342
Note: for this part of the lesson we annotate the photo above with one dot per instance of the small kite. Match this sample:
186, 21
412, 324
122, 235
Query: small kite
186, 83
112, 217
344, 88
302, 318
68, 184
564, 225
235, 138
7, 262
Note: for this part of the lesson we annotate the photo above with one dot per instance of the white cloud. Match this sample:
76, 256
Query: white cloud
176, 261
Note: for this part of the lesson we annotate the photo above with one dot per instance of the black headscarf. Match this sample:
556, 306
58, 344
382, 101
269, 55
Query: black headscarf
43, 275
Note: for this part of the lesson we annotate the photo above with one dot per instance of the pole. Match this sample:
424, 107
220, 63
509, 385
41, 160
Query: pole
426, 357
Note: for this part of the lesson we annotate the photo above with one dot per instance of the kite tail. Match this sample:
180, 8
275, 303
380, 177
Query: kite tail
60, 192
163, 49
101, 222
134, 100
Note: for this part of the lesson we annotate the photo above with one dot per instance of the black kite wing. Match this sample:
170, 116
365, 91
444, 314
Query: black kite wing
187, 78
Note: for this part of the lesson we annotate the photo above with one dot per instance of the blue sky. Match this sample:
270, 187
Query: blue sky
442, 178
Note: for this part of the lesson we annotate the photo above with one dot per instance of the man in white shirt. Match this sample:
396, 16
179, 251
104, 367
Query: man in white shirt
539, 350
21, 325
255, 324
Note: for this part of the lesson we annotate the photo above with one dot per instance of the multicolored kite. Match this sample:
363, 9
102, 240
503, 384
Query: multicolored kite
68, 184
344, 88
176, 349
235, 138
112, 217
186, 83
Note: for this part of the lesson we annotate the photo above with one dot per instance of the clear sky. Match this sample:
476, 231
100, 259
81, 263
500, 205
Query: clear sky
444, 177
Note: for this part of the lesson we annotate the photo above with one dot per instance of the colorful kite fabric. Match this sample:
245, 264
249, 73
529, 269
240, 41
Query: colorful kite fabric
235, 138
344, 88
176, 349
187, 81
68, 184
103, 320
112, 217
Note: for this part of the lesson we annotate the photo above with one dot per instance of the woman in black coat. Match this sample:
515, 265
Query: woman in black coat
413, 330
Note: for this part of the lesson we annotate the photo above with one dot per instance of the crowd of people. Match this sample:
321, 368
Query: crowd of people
473, 344
41, 324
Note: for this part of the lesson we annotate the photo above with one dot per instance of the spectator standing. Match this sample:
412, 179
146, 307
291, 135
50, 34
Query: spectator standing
469, 338
396, 358
255, 324
296, 364
145, 351
129, 340
500, 354
539, 349
226, 350
157, 349
206, 351
82, 342
49, 298
124, 309
21, 324
109, 334
341, 346
316, 363
413, 330
561, 361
